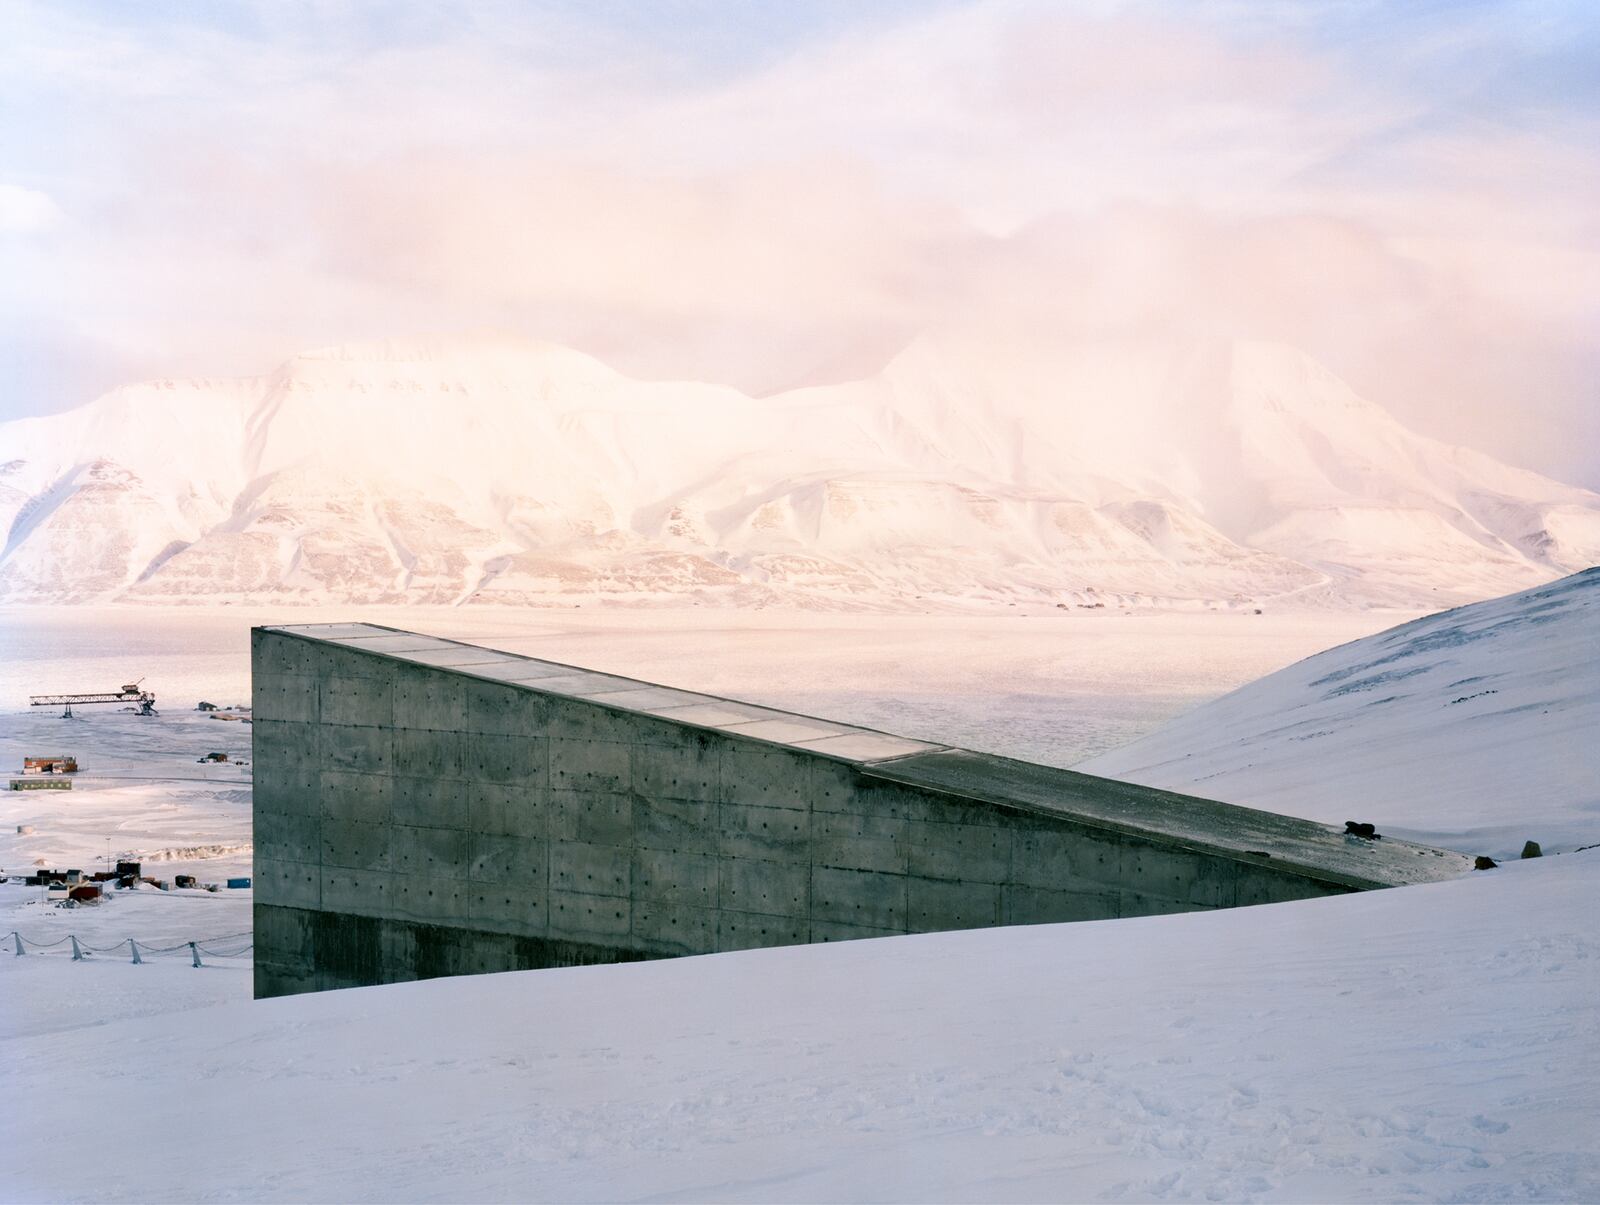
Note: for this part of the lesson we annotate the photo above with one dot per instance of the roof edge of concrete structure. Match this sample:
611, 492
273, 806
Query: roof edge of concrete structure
1189, 821
913, 745
1243, 834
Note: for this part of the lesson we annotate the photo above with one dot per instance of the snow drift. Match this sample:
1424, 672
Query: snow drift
1421, 1044
1472, 729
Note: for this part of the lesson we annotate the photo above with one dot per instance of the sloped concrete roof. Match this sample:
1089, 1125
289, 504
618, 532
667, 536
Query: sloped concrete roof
1187, 821
844, 742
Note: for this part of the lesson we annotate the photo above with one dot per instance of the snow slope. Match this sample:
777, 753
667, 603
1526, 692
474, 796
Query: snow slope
1431, 1043
964, 473
1474, 729
1424, 1044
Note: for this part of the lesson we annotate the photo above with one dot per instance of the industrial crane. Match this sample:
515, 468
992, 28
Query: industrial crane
130, 693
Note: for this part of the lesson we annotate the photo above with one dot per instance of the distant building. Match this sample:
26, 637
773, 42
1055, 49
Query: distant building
61, 763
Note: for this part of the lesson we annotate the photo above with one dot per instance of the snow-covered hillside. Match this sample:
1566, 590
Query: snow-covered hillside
1474, 729
1422, 1044
490, 470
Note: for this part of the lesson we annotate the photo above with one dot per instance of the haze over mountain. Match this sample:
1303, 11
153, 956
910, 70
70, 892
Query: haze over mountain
496, 470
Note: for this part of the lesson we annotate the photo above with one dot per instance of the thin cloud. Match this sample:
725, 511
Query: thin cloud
26, 210
773, 210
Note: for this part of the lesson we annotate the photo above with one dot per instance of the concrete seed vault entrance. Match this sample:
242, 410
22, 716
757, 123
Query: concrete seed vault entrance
425, 807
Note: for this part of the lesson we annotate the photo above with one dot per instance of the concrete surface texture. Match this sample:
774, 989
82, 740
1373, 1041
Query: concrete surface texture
425, 807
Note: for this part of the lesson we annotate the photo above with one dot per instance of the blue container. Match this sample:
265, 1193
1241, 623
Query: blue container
238, 882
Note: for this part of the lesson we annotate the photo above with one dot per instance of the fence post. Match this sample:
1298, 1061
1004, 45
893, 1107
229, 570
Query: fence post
18, 936
134, 946
194, 949
77, 954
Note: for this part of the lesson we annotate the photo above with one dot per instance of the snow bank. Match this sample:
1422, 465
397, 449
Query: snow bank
1425, 1044
1432, 1043
1473, 729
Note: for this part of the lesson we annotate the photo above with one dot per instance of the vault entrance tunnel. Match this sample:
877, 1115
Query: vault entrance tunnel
425, 807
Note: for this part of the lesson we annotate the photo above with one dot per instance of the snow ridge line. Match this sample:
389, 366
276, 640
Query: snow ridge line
193, 853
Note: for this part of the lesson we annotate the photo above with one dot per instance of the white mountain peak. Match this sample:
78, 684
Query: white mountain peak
493, 468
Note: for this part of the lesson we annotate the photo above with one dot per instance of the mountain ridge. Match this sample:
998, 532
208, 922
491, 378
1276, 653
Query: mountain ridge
491, 469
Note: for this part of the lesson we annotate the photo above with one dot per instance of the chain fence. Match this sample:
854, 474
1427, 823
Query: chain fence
133, 950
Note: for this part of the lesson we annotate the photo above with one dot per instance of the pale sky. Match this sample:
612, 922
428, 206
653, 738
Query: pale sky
772, 194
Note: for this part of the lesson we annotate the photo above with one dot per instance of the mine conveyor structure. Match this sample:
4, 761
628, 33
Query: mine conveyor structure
130, 693
426, 807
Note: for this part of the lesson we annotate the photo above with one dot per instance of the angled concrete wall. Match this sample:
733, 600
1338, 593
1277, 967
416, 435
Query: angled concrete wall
426, 808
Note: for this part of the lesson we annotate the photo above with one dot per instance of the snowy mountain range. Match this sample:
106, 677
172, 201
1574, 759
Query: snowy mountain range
1472, 729
496, 470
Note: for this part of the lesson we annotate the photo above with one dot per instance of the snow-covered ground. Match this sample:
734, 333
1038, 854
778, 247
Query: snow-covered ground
1475, 729
141, 791
1432, 1043
142, 795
